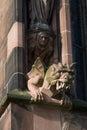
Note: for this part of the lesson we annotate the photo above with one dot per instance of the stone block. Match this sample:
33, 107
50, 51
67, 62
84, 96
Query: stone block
65, 18
66, 47
22, 117
74, 121
33, 117
65, 1
36, 118
2, 76
15, 62
17, 81
6, 17
5, 120
20, 10
3, 51
15, 37
15, 69
46, 119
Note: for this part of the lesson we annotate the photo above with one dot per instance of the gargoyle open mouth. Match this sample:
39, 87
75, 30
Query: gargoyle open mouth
65, 80
61, 85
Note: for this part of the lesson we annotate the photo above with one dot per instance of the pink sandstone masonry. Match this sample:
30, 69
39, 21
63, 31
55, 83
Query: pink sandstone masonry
6, 21
42, 118
13, 71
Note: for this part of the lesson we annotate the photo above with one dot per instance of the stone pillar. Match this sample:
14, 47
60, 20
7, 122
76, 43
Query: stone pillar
65, 29
15, 37
12, 54
15, 67
15, 64
6, 21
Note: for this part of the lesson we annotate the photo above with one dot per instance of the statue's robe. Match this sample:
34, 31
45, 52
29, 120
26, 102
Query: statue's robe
40, 10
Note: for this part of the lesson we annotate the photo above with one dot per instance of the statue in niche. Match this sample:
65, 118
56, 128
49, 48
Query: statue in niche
55, 80
40, 44
41, 36
42, 83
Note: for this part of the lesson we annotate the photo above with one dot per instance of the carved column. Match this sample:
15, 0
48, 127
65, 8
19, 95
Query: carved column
65, 29
12, 29
15, 62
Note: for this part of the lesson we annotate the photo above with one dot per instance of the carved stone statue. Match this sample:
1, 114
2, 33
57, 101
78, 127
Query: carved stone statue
40, 39
57, 79
40, 45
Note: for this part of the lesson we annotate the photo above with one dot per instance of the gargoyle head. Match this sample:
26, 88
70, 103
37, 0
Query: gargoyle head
66, 78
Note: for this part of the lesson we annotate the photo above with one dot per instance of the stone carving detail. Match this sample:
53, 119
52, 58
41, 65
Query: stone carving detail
40, 11
40, 43
56, 80
40, 40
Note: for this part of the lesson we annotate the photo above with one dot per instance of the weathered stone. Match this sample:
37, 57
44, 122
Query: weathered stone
6, 17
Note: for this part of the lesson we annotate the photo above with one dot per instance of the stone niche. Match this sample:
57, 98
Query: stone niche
42, 118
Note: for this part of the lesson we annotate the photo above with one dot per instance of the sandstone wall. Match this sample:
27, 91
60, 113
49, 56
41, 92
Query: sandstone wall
13, 70
6, 21
12, 52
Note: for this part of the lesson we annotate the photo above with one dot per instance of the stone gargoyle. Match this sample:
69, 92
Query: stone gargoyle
43, 85
56, 79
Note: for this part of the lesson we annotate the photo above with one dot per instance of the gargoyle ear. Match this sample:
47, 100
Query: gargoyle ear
72, 65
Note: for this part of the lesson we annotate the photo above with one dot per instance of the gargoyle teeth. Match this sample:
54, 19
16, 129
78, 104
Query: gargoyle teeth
59, 85
62, 85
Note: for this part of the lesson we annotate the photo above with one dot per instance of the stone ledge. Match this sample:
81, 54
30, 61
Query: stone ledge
22, 97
